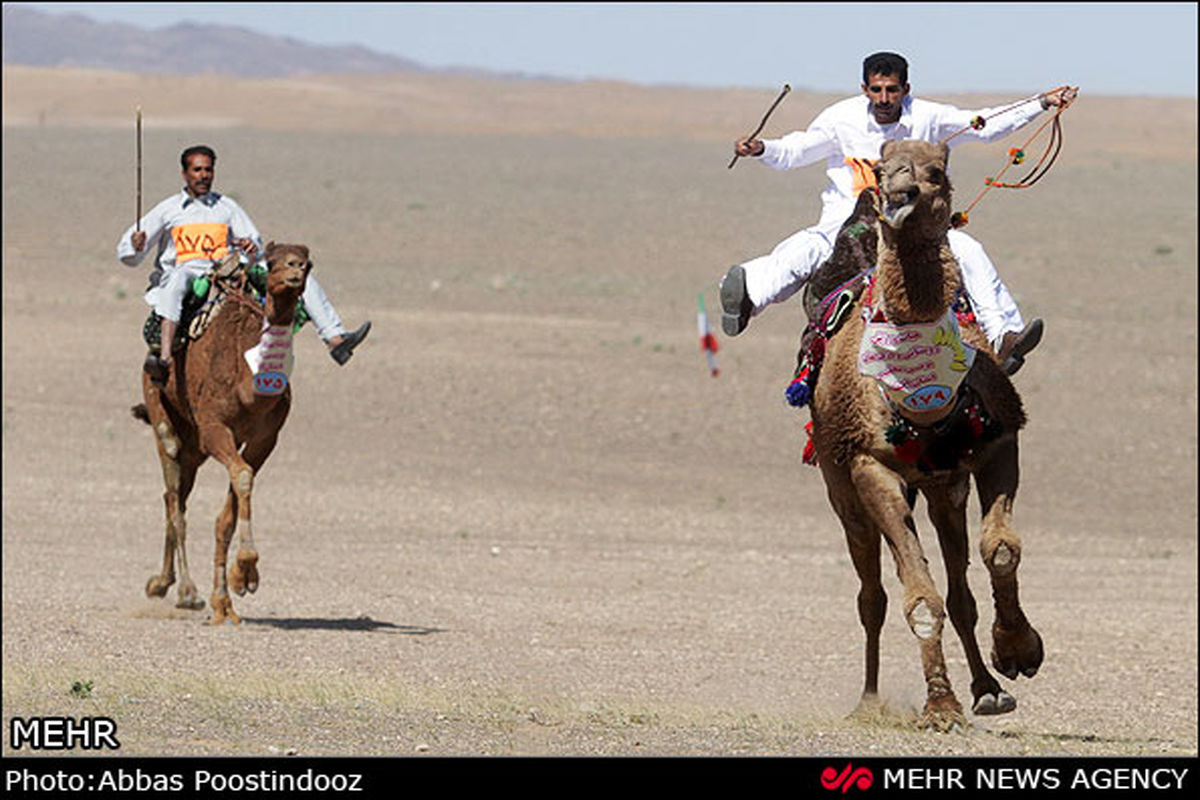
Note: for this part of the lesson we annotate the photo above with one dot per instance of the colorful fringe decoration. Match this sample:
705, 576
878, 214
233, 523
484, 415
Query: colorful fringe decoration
798, 392
810, 450
947, 442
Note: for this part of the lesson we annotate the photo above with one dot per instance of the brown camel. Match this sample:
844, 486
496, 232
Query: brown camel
888, 420
214, 404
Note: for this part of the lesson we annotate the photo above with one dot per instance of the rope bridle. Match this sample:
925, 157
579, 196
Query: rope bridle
1017, 155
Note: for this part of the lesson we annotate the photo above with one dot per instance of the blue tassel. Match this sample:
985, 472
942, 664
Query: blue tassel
798, 394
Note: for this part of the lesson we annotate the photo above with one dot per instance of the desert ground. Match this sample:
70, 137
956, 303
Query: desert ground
524, 519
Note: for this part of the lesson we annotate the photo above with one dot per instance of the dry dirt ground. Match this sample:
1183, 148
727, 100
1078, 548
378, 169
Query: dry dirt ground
524, 519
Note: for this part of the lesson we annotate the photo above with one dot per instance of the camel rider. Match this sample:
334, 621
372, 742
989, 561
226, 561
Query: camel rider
189, 231
848, 137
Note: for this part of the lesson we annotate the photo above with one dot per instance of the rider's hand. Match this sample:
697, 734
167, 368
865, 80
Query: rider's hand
139, 240
749, 147
246, 245
1061, 98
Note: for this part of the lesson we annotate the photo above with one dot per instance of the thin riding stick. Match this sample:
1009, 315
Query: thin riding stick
137, 224
761, 125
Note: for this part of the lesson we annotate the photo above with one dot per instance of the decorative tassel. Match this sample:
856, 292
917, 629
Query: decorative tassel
899, 436
798, 392
910, 451
810, 451
816, 350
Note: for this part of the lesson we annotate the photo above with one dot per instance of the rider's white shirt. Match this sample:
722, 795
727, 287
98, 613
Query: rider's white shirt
180, 210
847, 129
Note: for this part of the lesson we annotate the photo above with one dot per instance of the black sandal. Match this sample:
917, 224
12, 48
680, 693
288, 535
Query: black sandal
158, 369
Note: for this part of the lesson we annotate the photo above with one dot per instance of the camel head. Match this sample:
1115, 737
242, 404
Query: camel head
914, 190
288, 266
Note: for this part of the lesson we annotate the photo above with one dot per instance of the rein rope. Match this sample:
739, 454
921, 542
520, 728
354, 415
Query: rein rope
229, 280
1016, 155
232, 280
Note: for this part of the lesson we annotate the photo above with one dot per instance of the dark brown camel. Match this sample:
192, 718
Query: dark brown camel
212, 405
873, 447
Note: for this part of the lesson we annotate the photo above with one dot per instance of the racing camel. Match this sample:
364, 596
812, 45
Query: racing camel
902, 404
214, 404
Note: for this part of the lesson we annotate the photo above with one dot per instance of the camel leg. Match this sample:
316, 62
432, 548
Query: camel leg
862, 539
179, 473
882, 495
218, 440
226, 522
948, 512
1016, 646
186, 595
244, 576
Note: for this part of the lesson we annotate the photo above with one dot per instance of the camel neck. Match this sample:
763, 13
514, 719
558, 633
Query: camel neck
280, 311
916, 279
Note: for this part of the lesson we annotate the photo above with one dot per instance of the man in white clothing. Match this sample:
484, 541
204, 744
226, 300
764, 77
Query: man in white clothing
192, 229
848, 137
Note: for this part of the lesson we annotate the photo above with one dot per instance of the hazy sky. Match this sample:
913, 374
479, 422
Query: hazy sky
1106, 48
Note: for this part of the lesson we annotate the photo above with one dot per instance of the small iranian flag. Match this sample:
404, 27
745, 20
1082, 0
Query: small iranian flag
708, 342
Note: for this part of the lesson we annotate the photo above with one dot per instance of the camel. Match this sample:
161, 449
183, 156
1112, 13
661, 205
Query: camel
904, 427
214, 404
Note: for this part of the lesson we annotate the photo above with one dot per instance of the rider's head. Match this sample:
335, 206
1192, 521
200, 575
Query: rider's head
885, 83
197, 162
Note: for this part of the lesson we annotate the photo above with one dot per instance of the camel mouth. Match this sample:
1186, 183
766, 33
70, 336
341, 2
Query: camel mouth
894, 213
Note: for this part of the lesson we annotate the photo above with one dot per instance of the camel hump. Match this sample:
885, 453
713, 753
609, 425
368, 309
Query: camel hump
854, 252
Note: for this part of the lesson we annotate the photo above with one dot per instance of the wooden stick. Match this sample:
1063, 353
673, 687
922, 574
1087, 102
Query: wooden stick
137, 225
761, 125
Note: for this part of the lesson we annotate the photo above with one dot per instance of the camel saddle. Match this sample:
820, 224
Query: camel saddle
831, 291
206, 295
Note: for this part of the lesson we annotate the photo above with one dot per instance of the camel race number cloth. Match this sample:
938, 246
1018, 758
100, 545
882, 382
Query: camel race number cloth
919, 366
271, 360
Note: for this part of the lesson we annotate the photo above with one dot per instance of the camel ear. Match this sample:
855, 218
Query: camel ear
269, 248
888, 145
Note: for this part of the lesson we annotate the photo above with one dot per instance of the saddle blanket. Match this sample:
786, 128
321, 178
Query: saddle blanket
919, 366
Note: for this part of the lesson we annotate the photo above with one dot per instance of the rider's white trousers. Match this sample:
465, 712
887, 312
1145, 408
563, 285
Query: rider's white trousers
778, 275
167, 299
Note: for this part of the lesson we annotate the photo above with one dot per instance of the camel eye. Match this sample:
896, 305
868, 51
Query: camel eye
935, 175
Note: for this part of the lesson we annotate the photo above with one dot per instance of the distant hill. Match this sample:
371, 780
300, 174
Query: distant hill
33, 38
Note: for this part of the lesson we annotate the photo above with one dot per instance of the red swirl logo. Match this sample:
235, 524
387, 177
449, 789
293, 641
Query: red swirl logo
847, 779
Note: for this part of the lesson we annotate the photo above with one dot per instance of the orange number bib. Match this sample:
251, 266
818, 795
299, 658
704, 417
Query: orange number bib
200, 240
864, 173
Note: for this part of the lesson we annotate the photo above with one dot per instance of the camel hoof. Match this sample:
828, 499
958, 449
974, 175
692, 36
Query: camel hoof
1017, 653
191, 603
223, 610
943, 714
158, 585
244, 575
989, 704
942, 721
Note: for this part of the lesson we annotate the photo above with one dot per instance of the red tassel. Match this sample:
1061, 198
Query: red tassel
810, 450
910, 451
